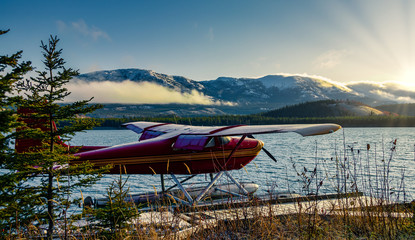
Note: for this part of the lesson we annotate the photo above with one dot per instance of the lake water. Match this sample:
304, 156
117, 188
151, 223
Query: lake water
343, 162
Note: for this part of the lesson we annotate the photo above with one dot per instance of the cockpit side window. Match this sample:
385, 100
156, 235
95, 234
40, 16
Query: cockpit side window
198, 142
150, 134
190, 142
211, 143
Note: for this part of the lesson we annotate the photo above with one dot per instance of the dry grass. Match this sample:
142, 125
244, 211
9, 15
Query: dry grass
347, 218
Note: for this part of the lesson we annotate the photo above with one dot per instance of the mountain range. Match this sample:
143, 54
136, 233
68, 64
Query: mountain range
249, 95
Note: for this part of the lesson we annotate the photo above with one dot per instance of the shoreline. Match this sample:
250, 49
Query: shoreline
121, 128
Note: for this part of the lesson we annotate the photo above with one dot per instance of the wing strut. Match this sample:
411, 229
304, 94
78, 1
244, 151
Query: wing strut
233, 151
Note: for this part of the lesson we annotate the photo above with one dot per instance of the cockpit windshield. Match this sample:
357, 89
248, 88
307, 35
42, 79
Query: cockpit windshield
220, 141
223, 140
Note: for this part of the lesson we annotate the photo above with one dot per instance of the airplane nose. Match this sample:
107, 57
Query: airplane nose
260, 143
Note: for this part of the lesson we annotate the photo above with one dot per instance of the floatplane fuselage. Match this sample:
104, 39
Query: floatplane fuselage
155, 156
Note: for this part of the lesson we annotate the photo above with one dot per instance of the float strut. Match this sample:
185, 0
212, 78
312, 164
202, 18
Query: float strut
163, 189
208, 187
180, 186
237, 184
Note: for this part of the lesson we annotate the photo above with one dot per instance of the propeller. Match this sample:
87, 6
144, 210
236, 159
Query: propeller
265, 150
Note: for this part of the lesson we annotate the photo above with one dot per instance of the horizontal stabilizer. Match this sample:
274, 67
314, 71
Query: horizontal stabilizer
303, 129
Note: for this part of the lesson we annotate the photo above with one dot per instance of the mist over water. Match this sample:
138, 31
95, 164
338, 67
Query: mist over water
136, 92
341, 157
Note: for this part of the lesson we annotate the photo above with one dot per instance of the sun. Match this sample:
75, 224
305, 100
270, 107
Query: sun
408, 77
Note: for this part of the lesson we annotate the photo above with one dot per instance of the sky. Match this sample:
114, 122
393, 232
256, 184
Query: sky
342, 40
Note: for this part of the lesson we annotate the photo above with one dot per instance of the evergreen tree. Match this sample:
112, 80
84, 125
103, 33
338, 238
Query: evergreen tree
12, 69
119, 210
43, 170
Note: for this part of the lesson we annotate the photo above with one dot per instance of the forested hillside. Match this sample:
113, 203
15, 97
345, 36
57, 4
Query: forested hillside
345, 113
324, 108
406, 109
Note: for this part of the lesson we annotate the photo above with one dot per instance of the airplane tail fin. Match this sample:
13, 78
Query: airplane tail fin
27, 144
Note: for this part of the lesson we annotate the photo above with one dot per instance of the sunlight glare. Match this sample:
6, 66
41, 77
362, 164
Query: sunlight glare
408, 77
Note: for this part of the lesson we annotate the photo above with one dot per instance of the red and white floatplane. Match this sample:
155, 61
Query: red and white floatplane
174, 149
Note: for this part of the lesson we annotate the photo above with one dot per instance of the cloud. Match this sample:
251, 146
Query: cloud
61, 26
405, 99
400, 85
86, 30
330, 59
382, 94
322, 80
135, 93
390, 85
82, 28
393, 91
393, 96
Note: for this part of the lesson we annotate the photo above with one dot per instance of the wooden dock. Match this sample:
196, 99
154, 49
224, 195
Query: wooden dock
184, 223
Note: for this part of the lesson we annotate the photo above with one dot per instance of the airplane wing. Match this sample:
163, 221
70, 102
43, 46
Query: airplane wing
303, 129
178, 129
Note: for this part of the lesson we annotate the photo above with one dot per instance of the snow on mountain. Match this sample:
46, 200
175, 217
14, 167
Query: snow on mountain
139, 75
272, 89
278, 81
269, 91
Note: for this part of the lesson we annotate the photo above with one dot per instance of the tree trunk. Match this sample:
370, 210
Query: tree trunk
50, 205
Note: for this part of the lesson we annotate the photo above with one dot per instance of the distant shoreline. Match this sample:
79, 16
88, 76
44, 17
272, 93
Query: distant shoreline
120, 128
225, 120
